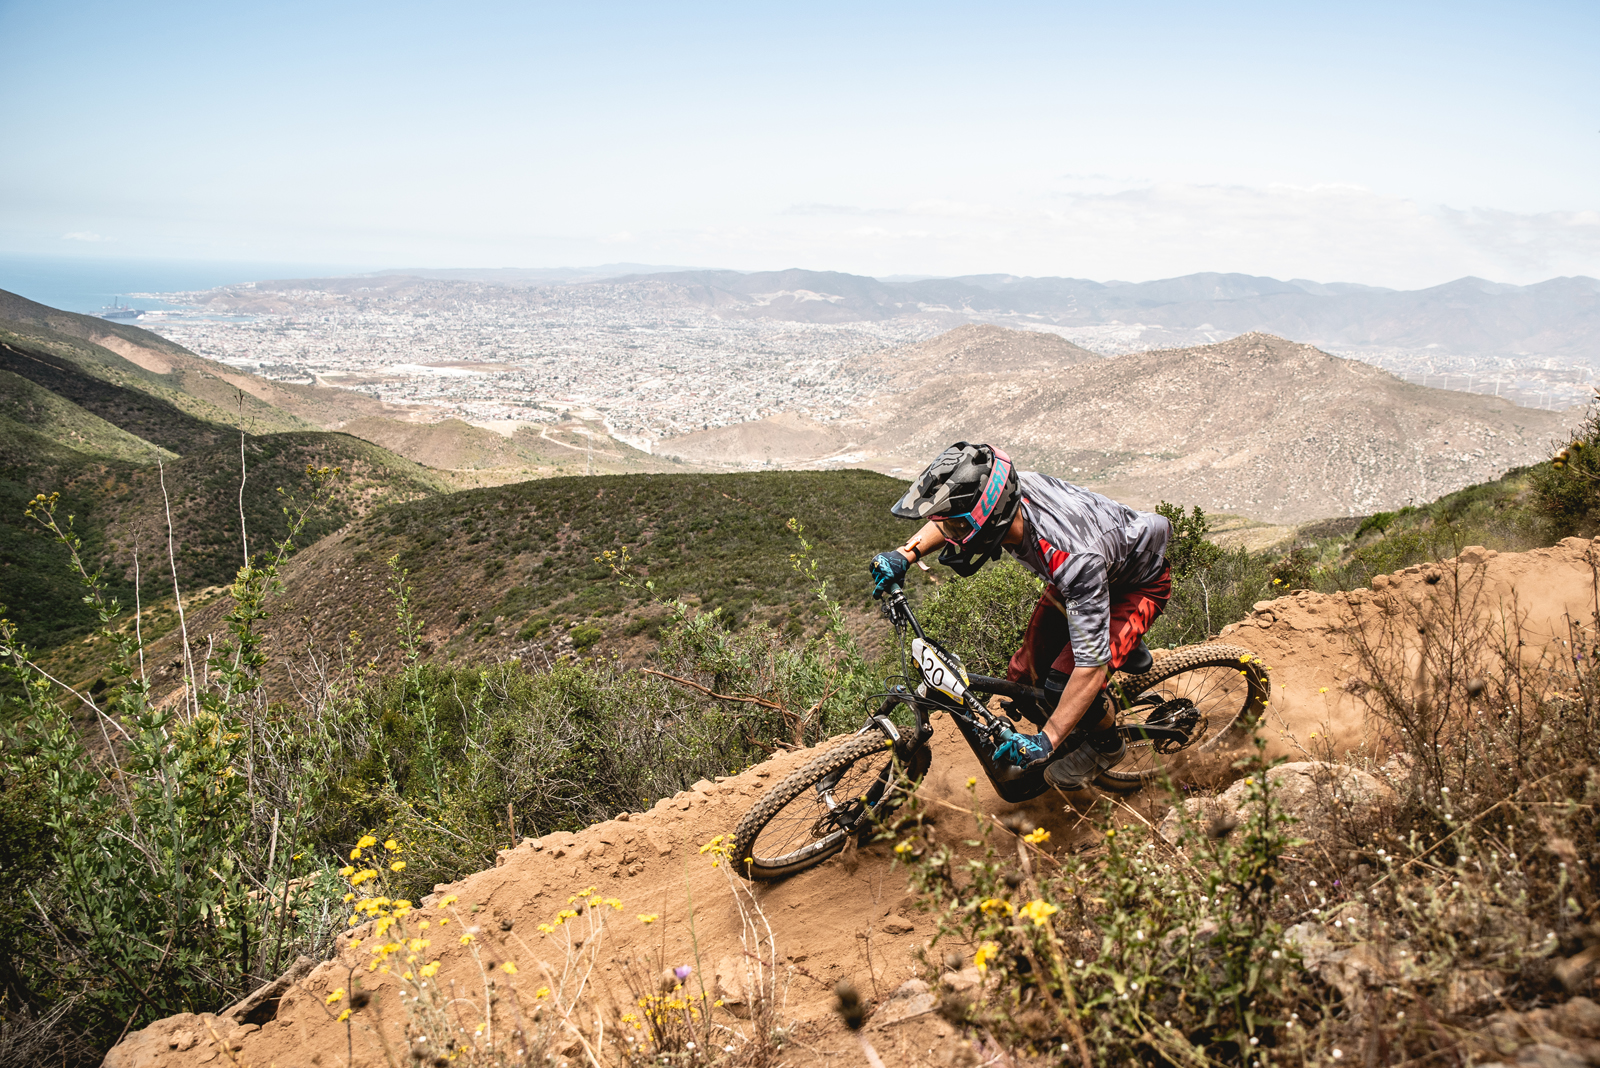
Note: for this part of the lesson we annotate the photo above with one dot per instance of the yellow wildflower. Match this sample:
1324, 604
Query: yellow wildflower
615, 902
648, 917
992, 905
509, 967
345, 1015
347, 871
971, 782
542, 992
392, 846
986, 953
429, 970
417, 945
367, 842
1039, 911
1037, 836
448, 900
355, 854
545, 928
398, 865
335, 996
465, 939
904, 847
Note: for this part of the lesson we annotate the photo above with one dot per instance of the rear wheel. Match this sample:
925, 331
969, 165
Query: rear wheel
809, 816
1214, 693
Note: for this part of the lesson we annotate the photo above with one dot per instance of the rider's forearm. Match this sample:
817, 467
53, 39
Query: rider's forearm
1083, 686
923, 542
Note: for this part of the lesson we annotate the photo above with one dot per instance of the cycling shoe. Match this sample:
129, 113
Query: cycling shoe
1074, 769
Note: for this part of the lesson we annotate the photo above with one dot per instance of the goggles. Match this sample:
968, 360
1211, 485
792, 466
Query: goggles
961, 528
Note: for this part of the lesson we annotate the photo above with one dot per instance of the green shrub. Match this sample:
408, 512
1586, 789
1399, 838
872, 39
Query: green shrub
1209, 598
1188, 550
1567, 489
584, 636
983, 617
532, 629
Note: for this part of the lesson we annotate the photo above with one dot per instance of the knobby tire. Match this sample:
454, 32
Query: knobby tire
791, 846
1227, 682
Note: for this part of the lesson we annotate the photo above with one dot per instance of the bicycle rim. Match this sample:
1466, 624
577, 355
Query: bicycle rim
1221, 689
810, 815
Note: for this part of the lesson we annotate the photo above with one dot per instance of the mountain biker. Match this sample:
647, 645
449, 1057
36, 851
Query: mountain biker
1106, 580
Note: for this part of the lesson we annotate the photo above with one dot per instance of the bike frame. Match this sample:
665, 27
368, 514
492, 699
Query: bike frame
981, 728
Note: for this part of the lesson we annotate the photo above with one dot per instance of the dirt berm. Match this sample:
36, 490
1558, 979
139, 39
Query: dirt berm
852, 916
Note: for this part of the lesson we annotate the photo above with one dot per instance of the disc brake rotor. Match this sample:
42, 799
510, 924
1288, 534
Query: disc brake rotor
1179, 714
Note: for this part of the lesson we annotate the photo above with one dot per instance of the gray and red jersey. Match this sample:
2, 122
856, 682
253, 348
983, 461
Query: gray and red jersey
1083, 545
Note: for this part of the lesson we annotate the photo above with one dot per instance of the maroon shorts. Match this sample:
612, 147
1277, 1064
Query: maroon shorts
1046, 644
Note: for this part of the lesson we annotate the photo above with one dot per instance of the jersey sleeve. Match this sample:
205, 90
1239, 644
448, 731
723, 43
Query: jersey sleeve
1086, 598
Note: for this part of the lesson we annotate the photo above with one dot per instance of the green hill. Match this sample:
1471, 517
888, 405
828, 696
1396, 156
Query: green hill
104, 428
511, 570
30, 411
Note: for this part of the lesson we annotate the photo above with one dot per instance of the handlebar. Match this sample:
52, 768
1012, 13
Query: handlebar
898, 609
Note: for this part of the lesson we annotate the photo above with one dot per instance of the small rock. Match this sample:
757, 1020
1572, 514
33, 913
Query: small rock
913, 998
1580, 1017
897, 927
1544, 1055
1304, 789
964, 979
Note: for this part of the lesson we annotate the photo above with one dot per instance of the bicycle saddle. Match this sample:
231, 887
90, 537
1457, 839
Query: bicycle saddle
1139, 660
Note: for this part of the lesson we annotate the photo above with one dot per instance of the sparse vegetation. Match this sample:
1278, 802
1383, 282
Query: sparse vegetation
1399, 934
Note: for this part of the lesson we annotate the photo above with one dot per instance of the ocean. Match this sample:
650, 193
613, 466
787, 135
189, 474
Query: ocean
88, 285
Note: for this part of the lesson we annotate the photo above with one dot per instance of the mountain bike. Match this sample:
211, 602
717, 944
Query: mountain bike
1198, 700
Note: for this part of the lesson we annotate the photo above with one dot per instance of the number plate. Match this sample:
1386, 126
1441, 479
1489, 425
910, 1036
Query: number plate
942, 675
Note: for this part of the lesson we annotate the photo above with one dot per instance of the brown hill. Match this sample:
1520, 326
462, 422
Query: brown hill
1256, 425
479, 456
851, 917
790, 439
978, 348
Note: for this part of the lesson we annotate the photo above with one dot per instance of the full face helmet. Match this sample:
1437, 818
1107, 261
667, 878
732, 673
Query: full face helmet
971, 492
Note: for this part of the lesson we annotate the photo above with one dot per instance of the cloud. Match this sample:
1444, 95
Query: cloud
1329, 232
83, 235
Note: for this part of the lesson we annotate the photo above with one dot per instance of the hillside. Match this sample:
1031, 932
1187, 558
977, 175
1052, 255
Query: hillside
856, 918
793, 440
1257, 425
129, 355
512, 570
480, 456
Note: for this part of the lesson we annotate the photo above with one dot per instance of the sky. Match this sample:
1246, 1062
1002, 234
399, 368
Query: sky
1391, 144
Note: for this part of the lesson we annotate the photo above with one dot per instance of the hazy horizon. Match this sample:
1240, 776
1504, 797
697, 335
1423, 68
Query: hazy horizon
1401, 147
86, 283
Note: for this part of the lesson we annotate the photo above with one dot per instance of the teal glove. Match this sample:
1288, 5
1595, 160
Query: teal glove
1022, 750
888, 569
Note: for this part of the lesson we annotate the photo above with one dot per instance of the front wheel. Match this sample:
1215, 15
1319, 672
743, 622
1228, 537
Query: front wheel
809, 816
1214, 694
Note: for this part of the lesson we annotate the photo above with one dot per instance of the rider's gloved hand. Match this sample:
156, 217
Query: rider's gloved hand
888, 569
1022, 750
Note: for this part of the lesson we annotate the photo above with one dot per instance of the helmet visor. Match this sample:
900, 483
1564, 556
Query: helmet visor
956, 528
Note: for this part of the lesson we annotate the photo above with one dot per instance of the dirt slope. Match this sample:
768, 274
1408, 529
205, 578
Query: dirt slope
846, 919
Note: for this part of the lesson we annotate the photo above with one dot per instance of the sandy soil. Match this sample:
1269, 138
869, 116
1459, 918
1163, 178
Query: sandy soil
852, 916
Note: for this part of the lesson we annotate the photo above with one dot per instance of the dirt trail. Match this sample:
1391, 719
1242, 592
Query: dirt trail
850, 917
1316, 671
